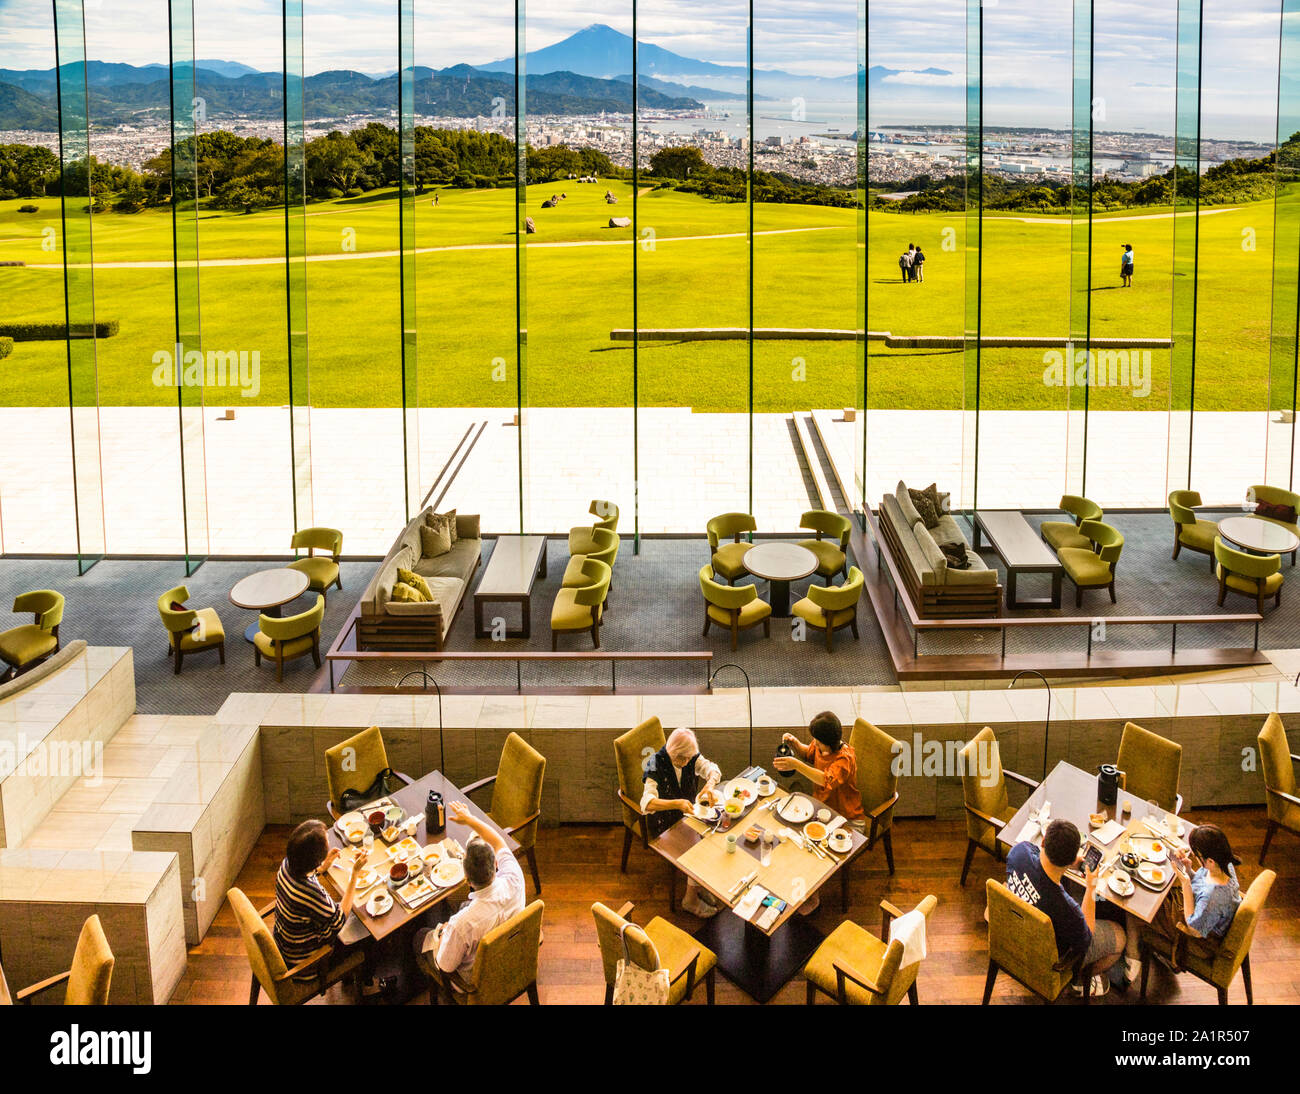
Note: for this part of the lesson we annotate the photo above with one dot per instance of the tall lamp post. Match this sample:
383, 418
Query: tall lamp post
1047, 725
749, 695
427, 680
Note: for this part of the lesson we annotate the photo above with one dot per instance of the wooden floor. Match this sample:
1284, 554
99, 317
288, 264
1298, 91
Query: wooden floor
579, 865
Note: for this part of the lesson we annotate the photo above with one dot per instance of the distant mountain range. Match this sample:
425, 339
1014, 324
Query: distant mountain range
586, 73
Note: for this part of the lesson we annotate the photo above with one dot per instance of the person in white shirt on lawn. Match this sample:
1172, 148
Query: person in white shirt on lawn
496, 893
675, 777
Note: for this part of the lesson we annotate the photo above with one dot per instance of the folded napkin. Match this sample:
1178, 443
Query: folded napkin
1029, 833
749, 903
909, 929
1109, 832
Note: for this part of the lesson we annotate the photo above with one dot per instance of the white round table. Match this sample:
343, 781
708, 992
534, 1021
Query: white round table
266, 591
1261, 537
779, 564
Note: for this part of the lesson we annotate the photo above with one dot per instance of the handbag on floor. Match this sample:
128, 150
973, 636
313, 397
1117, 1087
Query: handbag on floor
635, 986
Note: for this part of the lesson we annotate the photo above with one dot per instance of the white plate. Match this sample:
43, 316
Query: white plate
1152, 855
1120, 885
448, 873
796, 810
747, 787
431, 854
379, 903
706, 813
839, 841
1147, 871
355, 817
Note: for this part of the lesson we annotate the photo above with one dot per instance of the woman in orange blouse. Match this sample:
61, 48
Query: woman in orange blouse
830, 765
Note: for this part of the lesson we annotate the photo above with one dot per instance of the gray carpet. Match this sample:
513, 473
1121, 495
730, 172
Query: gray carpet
655, 605
115, 604
1148, 582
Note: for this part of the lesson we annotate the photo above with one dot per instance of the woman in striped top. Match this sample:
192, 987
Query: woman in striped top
306, 917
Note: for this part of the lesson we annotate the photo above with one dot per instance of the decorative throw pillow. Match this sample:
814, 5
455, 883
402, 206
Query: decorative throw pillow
927, 504
955, 553
402, 591
447, 520
434, 540
1284, 513
467, 526
416, 582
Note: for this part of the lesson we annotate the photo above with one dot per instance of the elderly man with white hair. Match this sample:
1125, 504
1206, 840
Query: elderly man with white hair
675, 777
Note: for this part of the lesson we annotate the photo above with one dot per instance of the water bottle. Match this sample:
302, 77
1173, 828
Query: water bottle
435, 815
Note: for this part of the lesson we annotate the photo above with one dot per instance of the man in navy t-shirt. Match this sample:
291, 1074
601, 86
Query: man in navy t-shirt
1034, 876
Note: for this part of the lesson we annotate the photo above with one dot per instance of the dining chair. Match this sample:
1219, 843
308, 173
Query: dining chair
505, 965
984, 791
657, 945
189, 630
736, 607
855, 968
1213, 961
1149, 767
1022, 944
517, 796
831, 552
831, 608
1065, 533
582, 608
27, 645
582, 539
1285, 503
1256, 576
286, 638
88, 980
1278, 763
355, 765
321, 571
289, 985
1190, 531
632, 750
1093, 567
728, 559
875, 751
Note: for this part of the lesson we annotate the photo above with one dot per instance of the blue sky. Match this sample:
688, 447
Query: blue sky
1027, 46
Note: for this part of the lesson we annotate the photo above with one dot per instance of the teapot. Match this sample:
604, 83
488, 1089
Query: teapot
783, 751
435, 815
1108, 781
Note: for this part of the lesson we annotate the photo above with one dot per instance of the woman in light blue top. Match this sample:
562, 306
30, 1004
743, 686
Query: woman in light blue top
1210, 894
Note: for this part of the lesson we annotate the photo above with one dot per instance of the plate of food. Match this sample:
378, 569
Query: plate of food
1120, 883
406, 849
379, 903
1096, 820
431, 854
448, 872
1153, 874
1156, 851
416, 891
795, 809
815, 831
839, 841
744, 789
367, 879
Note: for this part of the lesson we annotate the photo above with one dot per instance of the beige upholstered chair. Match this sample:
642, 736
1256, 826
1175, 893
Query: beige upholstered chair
737, 607
1214, 962
321, 572
1278, 763
285, 985
832, 607
91, 974
657, 945
854, 967
517, 796
728, 559
282, 639
1149, 766
1065, 533
631, 751
1022, 944
1191, 531
831, 552
26, 646
984, 789
190, 630
355, 764
505, 965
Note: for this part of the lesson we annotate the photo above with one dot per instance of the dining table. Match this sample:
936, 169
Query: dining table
759, 960
1146, 830
779, 563
390, 930
266, 592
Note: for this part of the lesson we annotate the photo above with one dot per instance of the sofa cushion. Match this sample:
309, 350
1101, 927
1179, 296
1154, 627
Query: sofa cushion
401, 591
936, 566
904, 498
459, 562
926, 503
467, 526
435, 539
409, 577
948, 531
955, 554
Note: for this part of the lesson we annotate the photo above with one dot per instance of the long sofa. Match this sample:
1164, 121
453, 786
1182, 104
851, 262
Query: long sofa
387, 624
937, 590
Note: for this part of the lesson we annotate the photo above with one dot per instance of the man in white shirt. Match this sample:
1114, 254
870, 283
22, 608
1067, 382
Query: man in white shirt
496, 893
675, 777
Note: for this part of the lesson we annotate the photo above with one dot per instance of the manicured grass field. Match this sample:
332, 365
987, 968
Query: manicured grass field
578, 286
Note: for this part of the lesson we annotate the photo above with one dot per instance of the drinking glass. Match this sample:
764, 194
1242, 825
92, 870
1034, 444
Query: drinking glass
765, 853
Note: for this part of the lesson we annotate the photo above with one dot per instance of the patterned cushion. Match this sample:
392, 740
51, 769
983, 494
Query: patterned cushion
406, 577
927, 504
403, 591
444, 520
435, 540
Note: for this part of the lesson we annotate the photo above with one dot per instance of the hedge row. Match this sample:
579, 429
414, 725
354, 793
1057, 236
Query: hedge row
6, 347
56, 332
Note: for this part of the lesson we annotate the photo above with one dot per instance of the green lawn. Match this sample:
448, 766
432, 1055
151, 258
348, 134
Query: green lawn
574, 296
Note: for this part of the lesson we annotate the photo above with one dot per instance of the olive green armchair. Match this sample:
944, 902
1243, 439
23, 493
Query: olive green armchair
736, 607
606, 545
355, 764
286, 638
1022, 944
88, 980
517, 796
1256, 576
855, 968
1093, 568
582, 608
728, 559
1065, 533
26, 646
631, 752
657, 945
582, 540
505, 965
876, 752
189, 630
321, 572
831, 552
1276, 495
1149, 767
1213, 961
1278, 764
1191, 531
984, 791
831, 607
